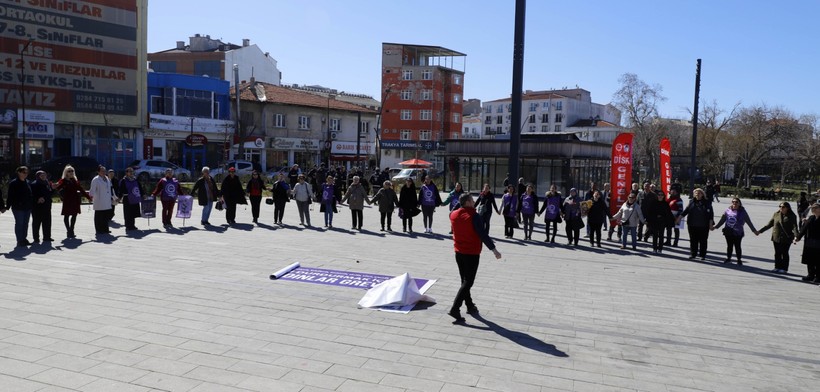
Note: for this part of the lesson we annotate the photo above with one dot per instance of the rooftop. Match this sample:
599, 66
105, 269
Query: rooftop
266, 92
427, 50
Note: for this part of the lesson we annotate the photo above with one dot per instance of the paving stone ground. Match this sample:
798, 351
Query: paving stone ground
192, 309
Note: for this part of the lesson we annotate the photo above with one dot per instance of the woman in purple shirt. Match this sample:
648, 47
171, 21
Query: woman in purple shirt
529, 206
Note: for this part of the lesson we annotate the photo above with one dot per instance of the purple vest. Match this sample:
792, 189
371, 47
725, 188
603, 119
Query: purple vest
428, 196
327, 193
512, 201
553, 207
734, 221
528, 205
171, 189
133, 189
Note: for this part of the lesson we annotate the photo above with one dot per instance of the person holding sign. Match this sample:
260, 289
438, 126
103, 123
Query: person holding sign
468, 236
168, 188
132, 193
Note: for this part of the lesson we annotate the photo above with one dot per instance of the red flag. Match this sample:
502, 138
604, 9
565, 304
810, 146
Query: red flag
621, 171
666, 166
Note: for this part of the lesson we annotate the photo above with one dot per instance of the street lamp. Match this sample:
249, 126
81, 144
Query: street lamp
23, 96
237, 131
327, 126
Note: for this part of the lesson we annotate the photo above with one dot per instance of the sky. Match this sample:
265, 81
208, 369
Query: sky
753, 52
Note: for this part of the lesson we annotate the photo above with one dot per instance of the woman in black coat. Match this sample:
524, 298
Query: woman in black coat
596, 216
485, 205
408, 200
811, 247
232, 194
660, 217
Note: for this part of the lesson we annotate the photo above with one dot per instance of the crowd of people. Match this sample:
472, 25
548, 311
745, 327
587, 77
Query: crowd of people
647, 215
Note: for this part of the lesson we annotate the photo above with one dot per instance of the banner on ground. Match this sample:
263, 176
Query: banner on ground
621, 171
666, 166
340, 278
184, 205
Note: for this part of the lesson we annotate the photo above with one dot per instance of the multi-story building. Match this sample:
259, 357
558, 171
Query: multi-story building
549, 111
422, 94
214, 58
473, 127
189, 122
282, 126
78, 86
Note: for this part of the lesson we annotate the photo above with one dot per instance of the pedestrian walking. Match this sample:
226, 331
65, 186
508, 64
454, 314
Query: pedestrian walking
331, 195
254, 189
529, 206
735, 217
71, 192
572, 215
784, 231
281, 196
551, 209
486, 205
701, 220
429, 199
20, 201
387, 201
42, 191
206, 193
102, 201
169, 189
596, 216
629, 217
659, 220
509, 209
468, 236
302, 192
132, 194
408, 202
355, 197
232, 194
293, 175
811, 246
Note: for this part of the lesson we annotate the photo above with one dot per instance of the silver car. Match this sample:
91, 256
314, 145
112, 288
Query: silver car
154, 169
243, 168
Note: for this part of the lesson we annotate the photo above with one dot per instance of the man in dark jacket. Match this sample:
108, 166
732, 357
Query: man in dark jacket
206, 193
232, 194
20, 202
42, 192
468, 235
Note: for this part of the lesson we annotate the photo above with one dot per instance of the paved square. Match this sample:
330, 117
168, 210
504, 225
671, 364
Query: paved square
192, 309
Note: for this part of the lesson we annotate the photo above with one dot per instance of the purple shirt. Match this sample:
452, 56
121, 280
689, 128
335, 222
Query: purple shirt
528, 205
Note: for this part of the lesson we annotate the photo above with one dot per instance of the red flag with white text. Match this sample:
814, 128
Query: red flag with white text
621, 171
666, 166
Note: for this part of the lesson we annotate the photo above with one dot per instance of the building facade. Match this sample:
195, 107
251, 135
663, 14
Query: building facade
78, 86
282, 126
214, 58
473, 127
422, 101
189, 121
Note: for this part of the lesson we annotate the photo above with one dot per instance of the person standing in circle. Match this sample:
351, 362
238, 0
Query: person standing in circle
232, 194
168, 188
660, 217
408, 200
254, 189
331, 195
629, 216
302, 192
42, 191
597, 215
552, 212
509, 209
701, 220
71, 191
811, 247
281, 196
486, 205
101, 198
784, 231
206, 192
468, 236
20, 202
735, 217
529, 206
676, 206
132, 194
356, 196
452, 199
572, 214
387, 200
429, 199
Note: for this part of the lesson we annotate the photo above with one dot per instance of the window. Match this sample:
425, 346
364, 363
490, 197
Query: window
456, 98
499, 119
406, 134
531, 119
489, 109
426, 95
509, 107
508, 118
193, 103
438, 116
407, 74
499, 109
426, 114
426, 74
545, 106
545, 128
488, 120
279, 120
557, 128
406, 114
558, 117
456, 118
488, 130
335, 124
406, 95
532, 128
545, 117
498, 130
457, 79
164, 66
558, 105
533, 106
161, 105
364, 127
304, 122
212, 68
425, 135
466, 130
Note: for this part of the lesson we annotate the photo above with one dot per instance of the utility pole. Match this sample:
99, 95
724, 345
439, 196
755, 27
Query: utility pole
517, 87
693, 168
23, 96
238, 131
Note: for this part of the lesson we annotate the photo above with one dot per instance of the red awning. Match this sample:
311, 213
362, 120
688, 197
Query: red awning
415, 162
347, 157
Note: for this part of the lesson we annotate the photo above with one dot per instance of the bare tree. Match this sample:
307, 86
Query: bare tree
638, 101
714, 139
761, 133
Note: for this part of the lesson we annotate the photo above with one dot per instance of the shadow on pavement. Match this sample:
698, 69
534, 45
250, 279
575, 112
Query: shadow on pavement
19, 253
520, 338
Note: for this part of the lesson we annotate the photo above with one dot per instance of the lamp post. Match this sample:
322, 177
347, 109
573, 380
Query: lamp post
327, 127
241, 143
23, 96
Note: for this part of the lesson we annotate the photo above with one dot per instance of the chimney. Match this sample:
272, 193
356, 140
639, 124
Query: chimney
246, 42
253, 80
180, 44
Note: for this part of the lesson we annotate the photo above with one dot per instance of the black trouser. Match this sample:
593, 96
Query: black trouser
649, 231
640, 230
467, 269
781, 255
554, 230
130, 212
573, 233
69, 221
657, 236
387, 216
167, 211
529, 222
256, 201
509, 226
230, 211
41, 215
427, 215
407, 222
669, 235
358, 217
487, 216
101, 218
612, 229
812, 270
595, 231
698, 237
278, 210
733, 243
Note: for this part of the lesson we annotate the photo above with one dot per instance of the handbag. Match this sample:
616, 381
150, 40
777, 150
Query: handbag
269, 201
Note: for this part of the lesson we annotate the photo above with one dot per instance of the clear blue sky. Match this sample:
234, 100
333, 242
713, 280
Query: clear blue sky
753, 51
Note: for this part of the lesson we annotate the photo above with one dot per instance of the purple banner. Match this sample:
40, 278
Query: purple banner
340, 278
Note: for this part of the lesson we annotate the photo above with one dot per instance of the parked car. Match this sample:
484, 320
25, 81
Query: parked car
415, 174
243, 168
154, 169
85, 168
273, 173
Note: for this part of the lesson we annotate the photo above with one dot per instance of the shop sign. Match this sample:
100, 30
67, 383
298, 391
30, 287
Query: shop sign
196, 140
38, 124
349, 148
294, 143
182, 123
158, 133
411, 145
